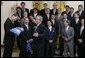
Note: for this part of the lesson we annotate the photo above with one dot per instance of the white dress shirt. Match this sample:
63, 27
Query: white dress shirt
50, 28
77, 21
54, 10
26, 26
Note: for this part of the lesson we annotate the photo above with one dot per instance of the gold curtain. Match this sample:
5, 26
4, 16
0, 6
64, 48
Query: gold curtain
40, 4
60, 5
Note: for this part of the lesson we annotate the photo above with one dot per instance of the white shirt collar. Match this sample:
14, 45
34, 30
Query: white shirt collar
66, 28
50, 27
77, 20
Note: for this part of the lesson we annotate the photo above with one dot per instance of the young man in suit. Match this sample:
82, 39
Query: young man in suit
80, 12
34, 7
23, 9
75, 23
35, 13
71, 13
46, 16
9, 38
67, 35
55, 24
24, 37
66, 11
50, 41
81, 39
54, 10
39, 38
42, 11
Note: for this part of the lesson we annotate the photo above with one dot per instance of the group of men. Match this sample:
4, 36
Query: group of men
43, 28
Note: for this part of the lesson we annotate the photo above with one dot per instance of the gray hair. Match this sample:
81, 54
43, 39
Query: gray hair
40, 17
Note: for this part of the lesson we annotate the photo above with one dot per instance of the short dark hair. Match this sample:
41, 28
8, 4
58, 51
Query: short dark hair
80, 6
67, 6
22, 3
18, 8
45, 4
76, 13
71, 8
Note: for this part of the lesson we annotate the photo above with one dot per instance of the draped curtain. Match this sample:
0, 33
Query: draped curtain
40, 4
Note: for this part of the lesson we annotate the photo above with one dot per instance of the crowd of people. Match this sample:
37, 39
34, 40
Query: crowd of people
43, 28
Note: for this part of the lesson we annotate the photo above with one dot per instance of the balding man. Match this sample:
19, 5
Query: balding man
54, 10
38, 38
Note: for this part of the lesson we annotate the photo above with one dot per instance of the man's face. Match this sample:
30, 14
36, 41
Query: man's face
64, 16
26, 21
45, 6
52, 16
49, 23
76, 16
35, 11
72, 10
38, 20
80, 8
47, 11
54, 6
23, 5
65, 24
67, 8
14, 18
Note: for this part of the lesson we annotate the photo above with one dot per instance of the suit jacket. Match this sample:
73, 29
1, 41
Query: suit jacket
45, 19
51, 35
32, 11
22, 12
75, 26
56, 12
81, 16
26, 34
69, 34
42, 12
56, 26
68, 16
39, 41
8, 37
82, 35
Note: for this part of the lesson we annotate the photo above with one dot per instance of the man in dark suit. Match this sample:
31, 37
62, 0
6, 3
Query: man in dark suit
66, 11
23, 9
75, 23
18, 12
46, 16
50, 41
55, 24
81, 39
24, 37
35, 13
9, 38
54, 10
35, 7
38, 38
42, 11
71, 13
80, 12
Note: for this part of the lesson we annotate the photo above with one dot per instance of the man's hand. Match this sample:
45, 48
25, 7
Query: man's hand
30, 40
80, 40
66, 39
35, 34
50, 41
